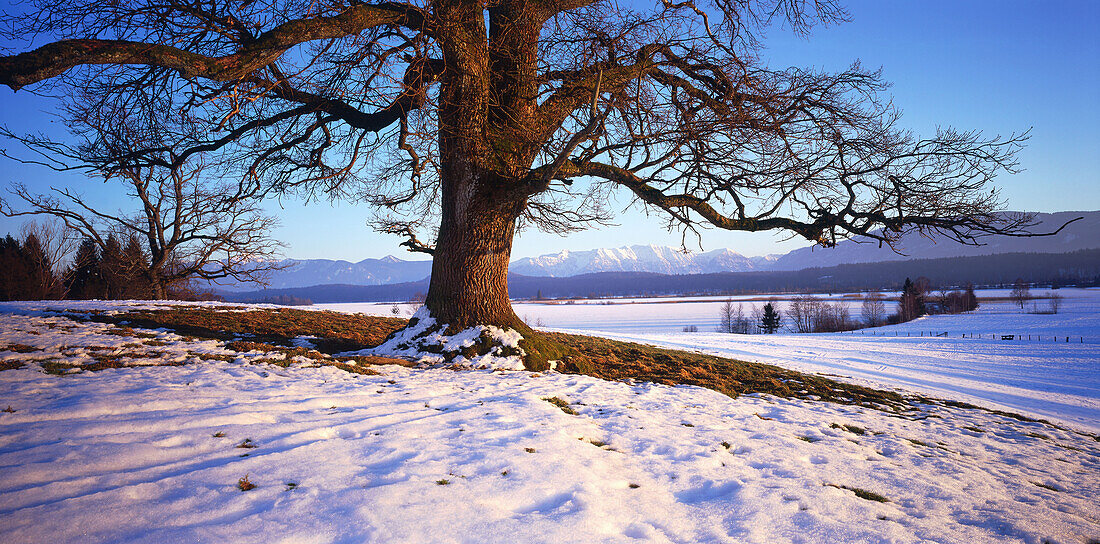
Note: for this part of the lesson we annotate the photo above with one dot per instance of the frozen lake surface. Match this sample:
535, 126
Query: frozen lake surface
1053, 380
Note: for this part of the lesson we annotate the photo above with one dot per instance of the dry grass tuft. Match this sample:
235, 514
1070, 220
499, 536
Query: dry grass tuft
19, 348
564, 406
244, 484
861, 493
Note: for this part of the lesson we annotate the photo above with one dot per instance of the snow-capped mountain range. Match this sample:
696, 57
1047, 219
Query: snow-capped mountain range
1083, 234
657, 259
305, 273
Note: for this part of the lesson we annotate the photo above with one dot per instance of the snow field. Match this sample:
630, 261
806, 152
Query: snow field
150, 455
130, 455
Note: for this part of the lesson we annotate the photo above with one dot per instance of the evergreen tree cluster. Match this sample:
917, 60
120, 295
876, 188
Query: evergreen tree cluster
113, 273
26, 272
914, 301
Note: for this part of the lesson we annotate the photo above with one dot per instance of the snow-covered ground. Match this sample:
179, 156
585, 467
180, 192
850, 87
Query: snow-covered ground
1039, 377
150, 454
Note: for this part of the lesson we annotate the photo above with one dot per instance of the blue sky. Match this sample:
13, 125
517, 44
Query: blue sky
995, 66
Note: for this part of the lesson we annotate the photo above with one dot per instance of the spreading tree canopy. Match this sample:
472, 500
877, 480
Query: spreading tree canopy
458, 121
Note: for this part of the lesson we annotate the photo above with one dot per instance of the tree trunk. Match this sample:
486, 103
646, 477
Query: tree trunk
156, 286
469, 284
484, 116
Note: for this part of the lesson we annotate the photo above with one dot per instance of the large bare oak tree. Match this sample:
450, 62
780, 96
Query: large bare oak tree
481, 116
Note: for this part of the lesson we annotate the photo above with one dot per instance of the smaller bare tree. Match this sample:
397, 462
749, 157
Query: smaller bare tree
1055, 302
726, 317
732, 319
193, 227
803, 313
191, 232
874, 309
1021, 293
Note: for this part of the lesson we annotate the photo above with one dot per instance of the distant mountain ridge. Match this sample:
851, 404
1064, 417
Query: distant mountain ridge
304, 273
656, 259
1083, 234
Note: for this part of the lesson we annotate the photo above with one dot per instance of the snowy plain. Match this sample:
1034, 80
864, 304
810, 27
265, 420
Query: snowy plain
1043, 377
151, 454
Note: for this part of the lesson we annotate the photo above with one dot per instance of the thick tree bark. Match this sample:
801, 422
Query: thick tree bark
469, 284
156, 285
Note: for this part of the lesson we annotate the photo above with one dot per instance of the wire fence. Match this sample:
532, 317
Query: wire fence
1030, 337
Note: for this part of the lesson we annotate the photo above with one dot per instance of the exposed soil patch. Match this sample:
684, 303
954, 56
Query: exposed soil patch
335, 332
19, 348
614, 360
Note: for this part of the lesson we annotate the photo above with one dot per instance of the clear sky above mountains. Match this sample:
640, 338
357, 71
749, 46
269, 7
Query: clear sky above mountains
995, 66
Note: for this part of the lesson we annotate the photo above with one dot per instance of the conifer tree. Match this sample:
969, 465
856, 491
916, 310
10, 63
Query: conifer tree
39, 282
12, 269
971, 299
911, 303
84, 279
112, 268
770, 322
138, 285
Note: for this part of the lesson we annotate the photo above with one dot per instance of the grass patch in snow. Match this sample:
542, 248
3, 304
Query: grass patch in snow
602, 358
854, 429
563, 405
861, 493
335, 332
19, 348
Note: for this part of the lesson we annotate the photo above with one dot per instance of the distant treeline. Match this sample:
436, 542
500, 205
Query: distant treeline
1081, 268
